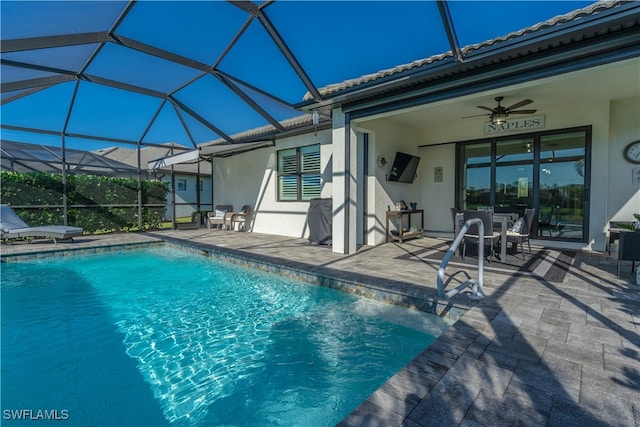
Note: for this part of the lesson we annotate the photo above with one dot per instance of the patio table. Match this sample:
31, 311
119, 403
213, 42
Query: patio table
501, 219
510, 219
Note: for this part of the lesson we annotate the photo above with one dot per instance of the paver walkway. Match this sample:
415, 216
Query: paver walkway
532, 353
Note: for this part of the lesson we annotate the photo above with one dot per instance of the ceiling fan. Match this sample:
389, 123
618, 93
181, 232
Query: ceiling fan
499, 114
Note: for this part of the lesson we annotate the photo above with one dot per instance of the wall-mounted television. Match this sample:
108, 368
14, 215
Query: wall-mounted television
404, 168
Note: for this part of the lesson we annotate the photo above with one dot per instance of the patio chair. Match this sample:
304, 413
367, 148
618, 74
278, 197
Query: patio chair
546, 220
239, 218
218, 216
521, 231
12, 227
629, 249
454, 212
473, 234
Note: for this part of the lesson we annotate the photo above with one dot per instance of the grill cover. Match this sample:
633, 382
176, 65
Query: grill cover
320, 220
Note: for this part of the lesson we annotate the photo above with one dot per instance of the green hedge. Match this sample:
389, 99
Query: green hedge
97, 192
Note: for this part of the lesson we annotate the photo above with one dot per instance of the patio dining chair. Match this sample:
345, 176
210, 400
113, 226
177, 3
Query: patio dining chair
521, 231
456, 225
629, 249
472, 236
549, 220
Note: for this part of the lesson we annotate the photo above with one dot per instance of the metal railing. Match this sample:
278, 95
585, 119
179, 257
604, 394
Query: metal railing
477, 290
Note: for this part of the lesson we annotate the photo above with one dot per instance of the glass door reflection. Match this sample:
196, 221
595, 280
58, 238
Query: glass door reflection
545, 171
475, 175
514, 175
562, 189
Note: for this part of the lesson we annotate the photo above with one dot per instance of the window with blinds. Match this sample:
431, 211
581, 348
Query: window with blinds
299, 173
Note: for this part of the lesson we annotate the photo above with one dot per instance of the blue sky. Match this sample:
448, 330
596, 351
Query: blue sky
332, 40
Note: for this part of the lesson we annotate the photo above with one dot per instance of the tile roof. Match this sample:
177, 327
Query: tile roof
555, 21
266, 131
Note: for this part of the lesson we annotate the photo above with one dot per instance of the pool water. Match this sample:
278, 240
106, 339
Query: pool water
162, 337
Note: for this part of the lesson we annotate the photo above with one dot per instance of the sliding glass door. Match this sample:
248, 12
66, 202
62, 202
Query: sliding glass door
562, 194
476, 175
547, 171
514, 175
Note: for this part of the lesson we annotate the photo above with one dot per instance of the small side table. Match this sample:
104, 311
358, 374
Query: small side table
402, 234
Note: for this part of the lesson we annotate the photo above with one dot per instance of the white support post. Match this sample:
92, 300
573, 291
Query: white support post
344, 144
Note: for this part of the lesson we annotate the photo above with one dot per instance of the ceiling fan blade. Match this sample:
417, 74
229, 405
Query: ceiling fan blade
477, 115
484, 108
522, 112
520, 104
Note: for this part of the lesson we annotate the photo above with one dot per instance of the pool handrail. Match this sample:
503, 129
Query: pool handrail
477, 289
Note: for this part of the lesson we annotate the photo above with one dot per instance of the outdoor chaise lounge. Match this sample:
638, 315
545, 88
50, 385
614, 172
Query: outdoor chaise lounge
12, 226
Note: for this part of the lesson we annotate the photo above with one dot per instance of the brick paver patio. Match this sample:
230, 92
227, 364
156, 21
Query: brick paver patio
532, 353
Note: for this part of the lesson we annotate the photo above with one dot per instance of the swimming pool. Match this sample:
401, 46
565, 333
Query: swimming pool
163, 337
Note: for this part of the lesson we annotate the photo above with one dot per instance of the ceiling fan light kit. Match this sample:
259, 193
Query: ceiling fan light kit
498, 118
498, 115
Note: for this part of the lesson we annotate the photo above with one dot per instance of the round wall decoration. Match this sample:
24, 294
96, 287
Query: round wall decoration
632, 152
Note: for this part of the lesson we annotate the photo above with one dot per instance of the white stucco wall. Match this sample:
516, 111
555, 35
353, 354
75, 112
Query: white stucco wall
251, 179
624, 196
438, 197
385, 139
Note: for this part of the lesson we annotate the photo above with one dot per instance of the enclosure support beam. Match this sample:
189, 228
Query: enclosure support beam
449, 28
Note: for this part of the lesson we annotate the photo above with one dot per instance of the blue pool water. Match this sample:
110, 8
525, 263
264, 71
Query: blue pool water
160, 337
